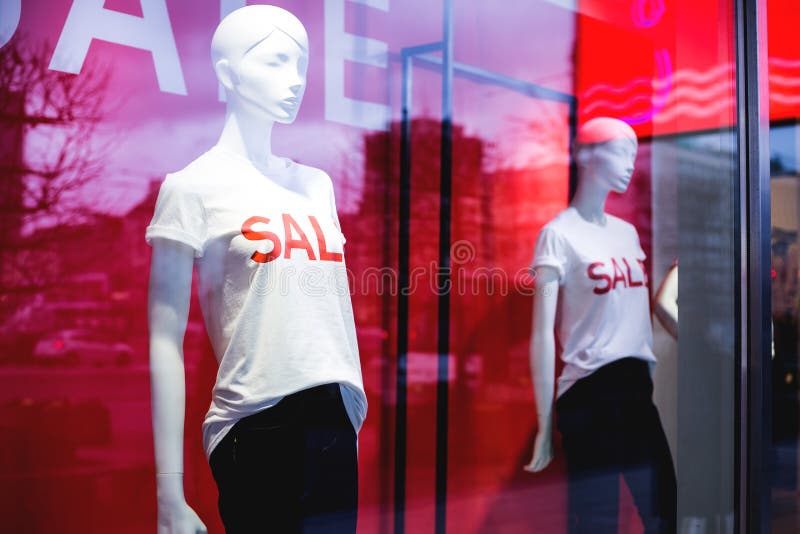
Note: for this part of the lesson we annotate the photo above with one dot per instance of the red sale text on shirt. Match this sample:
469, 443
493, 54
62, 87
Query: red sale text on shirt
294, 238
612, 274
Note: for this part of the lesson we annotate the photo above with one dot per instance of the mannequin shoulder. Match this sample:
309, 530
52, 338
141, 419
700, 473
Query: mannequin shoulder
208, 163
315, 182
199, 174
625, 232
621, 225
312, 174
561, 223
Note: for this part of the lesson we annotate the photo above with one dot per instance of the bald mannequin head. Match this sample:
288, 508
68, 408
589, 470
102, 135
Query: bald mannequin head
260, 56
599, 131
605, 150
243, 29
604, 129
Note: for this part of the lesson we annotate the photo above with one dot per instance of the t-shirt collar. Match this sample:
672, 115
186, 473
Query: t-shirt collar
596, 224
285, 167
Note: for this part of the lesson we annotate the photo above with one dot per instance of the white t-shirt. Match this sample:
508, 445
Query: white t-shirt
272, 282
603, 309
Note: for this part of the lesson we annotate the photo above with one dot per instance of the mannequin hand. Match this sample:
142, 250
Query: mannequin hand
542, 452
179, 518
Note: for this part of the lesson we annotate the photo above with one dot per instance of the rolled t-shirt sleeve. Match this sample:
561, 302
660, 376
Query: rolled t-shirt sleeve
550, 251
179, 215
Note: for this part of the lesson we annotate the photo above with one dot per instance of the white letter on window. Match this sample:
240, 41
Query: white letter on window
341, 47
226, 7
88, 20
9, 19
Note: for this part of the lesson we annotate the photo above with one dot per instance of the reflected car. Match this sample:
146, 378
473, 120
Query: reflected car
74, 347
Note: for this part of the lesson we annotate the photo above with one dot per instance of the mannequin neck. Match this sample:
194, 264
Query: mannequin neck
590, 200
249, 137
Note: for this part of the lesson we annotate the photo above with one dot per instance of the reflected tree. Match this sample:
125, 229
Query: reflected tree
49, 151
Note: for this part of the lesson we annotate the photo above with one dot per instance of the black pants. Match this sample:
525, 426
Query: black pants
610, 427
291, 468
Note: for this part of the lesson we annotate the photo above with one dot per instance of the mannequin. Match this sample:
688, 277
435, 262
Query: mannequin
592, 289
262, 231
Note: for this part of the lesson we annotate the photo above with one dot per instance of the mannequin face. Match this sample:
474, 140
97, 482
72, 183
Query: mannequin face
612, 163
271, 78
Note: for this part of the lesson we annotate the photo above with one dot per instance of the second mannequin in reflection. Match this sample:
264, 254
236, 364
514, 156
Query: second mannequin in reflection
592, 291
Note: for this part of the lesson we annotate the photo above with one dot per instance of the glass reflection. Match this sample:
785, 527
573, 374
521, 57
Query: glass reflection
664, 67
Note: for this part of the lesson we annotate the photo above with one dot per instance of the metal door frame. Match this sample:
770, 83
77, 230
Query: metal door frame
439, 56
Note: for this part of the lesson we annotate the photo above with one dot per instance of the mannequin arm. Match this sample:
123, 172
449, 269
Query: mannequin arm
666, 302
542, 359
167, 313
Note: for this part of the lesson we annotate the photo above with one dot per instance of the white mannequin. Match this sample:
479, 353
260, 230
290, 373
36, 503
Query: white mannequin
603, 167
608, 423
264, 83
